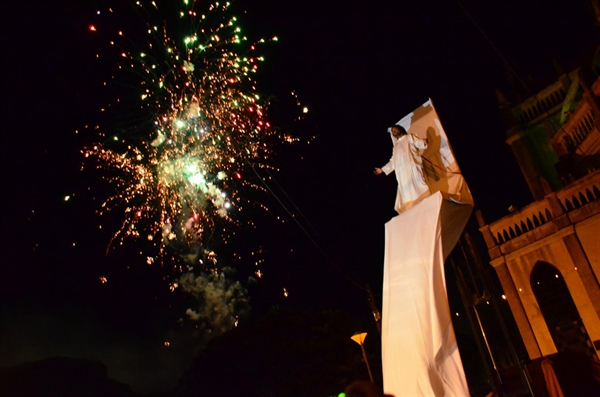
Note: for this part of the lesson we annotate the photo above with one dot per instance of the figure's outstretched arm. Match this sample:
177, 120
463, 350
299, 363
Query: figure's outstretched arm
388, 168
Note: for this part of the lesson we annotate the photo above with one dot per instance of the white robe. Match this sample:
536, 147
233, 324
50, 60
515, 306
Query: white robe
407, 162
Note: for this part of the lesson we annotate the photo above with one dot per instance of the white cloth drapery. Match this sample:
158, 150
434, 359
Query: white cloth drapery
420, 355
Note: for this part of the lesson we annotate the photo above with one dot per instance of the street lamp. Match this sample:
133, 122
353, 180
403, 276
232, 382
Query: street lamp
359, 337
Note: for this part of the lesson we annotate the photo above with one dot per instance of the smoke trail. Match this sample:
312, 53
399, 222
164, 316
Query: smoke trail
220, 301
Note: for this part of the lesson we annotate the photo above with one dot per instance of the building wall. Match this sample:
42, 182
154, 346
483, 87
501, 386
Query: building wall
534, 123
554, 250
588, 233
562, 230
555, 137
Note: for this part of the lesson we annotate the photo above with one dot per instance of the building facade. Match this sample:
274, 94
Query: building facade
547, 254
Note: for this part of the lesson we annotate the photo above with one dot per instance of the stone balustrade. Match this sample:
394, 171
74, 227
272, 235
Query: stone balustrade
550, 99
577, 128
544, 217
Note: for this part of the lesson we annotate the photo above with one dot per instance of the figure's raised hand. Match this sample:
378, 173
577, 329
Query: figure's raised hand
377, 171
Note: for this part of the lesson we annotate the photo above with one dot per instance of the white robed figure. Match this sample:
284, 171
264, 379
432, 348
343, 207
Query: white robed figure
419, 350
407, 163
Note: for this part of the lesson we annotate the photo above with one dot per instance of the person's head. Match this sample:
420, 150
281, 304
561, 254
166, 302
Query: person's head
397, 131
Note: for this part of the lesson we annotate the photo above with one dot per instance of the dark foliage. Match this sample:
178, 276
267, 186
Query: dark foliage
287, 353
61, 377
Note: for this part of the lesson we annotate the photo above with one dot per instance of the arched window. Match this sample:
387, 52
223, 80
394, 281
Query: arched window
499, 239
529, 224
518, 230
559, 310
569, 205
576, 202
589, 195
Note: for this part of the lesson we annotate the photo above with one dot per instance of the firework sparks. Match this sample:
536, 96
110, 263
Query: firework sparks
180, 176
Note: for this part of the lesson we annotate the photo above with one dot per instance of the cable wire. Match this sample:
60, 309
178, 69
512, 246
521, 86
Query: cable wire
514, 72
294, 218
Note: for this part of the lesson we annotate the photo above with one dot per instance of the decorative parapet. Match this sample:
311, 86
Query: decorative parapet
550, 99
542, 218
572, 135
578, 195
522, 221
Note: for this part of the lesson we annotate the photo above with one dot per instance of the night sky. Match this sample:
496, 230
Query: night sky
358, 66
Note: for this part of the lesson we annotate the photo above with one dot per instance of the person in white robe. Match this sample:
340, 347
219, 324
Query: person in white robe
407, 163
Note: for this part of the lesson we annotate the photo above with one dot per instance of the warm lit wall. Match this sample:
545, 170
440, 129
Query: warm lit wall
588, 233
563, 230
554, 249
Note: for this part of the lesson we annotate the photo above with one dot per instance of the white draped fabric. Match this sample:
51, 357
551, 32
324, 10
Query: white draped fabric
419, 350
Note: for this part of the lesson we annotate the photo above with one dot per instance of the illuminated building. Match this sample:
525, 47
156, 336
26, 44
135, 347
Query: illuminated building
547, 254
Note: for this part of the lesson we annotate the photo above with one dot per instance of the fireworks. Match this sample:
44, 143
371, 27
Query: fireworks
183, 170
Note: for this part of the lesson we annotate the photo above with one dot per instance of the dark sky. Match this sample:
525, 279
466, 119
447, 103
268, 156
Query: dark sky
358, 66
